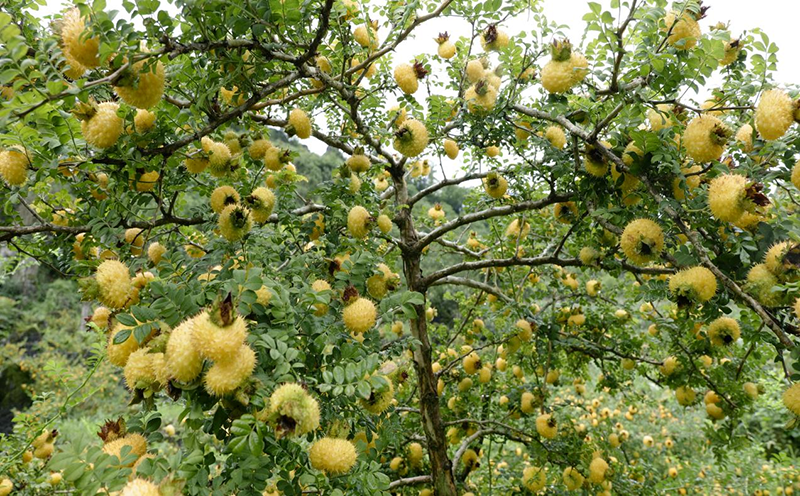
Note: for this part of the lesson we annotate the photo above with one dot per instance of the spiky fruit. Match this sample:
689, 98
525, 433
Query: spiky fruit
685, 395
195, 165
744, 135
705, 137
683, 29
275, 158
225, 376
436, 212
366, 36
415, 454
555, 135
662, 117
588, 255
140, 487
760, 283
135, 237
102, 126
527, 402
774, 114
332, 456
796, 175
407, 76
791, 398
642, 241
359, 315
592, 287
732, 50
481, 96
797, 308
359, 221
495, 185
261, 203
534, 478
775, 261
258, 148
233, 96
219, 156
144, 84
100, 317
14, 164
472, 363
292, 411
76, 44
513, 230
451, 149
493, 38
411, 138
318, 286
690, 178
597, 470
728, 197
379, 400
118, 353
447, 49
358, 162
384, 223
573, 479
693, 285
114, 283
139, 369
354, 184
594, 161
474, 70
565, 69
381, 184
235, 221
298, 124
147, 181
723, 331
218, 335
566, 212
136, 442
184, 363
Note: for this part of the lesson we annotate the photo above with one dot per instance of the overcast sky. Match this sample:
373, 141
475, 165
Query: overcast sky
776, 17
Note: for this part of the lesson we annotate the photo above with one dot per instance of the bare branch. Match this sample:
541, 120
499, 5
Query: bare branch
472, 283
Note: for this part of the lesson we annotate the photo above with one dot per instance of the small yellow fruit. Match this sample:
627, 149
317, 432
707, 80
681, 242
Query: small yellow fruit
299, 124
225, 376
774, 114
451, 149
234, 222
683, 31
148, 87
14, 164
572, 479
555, 135
332, 456
642, 241
546, 426
411, 138
359, 315
534, 478
695, 284
727, 197
723, 331
140, 487
705, 137
292, 411
358, 222
104, 127
184, 363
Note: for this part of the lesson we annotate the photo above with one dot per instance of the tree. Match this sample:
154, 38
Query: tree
140, 161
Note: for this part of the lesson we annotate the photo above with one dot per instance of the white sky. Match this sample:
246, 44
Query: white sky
777, 18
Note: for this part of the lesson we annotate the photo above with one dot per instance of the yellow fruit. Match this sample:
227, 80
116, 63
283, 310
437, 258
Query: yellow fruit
184, 363
219, 156
492, 151
662, 117
147, 181
727, 197
258, 148
474, 70
597, 470
299, 124
225, 376
495, 185
760, 283
415, 454
76, 44
6, 486
359, 315
195, 165
446, 49
411, 138
593, 287
358, 222
774, 258
155, 252
144, 121
261, 203
566, 212
685, 395
217, 340
494, 39
104, 127
797, 308
14, 164
366, 36
451, 149
669, 365
481, 96
750, 390
526, 402
472, 363
796, 175
100, 317
774, 114
732, 49
139, 369
436, 212
379, 401
318, 286
534, 478
140, 487
723, 331
384, 223
684, 30
690, 177
572, 479
332, 456
137, 443
292, 411
546, 426
791, 398
642, 241
358, 163
565, 69
406, 78
114, 283
705, 137
744, 135
146, 84
234, 222
695, 284
555, 135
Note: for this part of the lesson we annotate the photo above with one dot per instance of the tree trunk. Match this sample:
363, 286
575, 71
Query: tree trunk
441, 467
